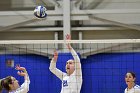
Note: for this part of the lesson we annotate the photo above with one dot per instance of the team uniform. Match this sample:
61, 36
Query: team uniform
135, 89
72, 83
24, 87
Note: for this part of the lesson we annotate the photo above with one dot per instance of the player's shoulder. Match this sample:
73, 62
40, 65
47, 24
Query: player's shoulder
64, 74
137, 87
125, 91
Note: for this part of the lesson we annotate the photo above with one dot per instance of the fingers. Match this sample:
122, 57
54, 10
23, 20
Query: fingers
19, 68
55, 55
68, 37
22, 71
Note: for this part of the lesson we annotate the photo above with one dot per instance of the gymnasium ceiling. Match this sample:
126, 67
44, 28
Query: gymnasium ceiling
104, 15
121, 17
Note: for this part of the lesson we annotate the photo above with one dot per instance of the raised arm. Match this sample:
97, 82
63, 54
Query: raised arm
25, 86
53, 68
78, 69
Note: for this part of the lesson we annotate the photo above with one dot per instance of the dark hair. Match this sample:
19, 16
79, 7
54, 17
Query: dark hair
4, 83
132, 73
0, 85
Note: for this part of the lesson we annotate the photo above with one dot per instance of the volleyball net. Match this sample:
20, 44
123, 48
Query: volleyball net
104, 62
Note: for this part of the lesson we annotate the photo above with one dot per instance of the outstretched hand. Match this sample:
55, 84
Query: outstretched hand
55, 55
22, 71
68, 37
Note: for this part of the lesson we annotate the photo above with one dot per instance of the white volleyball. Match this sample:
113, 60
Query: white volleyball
40, 12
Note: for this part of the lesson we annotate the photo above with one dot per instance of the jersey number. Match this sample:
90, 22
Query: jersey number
65, 83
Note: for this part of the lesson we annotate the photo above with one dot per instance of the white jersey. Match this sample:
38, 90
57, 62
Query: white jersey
135, 89
24, 87
72, 83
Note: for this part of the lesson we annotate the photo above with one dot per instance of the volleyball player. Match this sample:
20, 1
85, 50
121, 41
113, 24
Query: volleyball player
11, 84
72, 79
130, 81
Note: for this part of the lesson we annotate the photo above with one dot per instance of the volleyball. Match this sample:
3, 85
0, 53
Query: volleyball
40, 12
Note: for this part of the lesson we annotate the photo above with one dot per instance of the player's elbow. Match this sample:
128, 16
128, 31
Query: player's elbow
25, 90
51, 69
